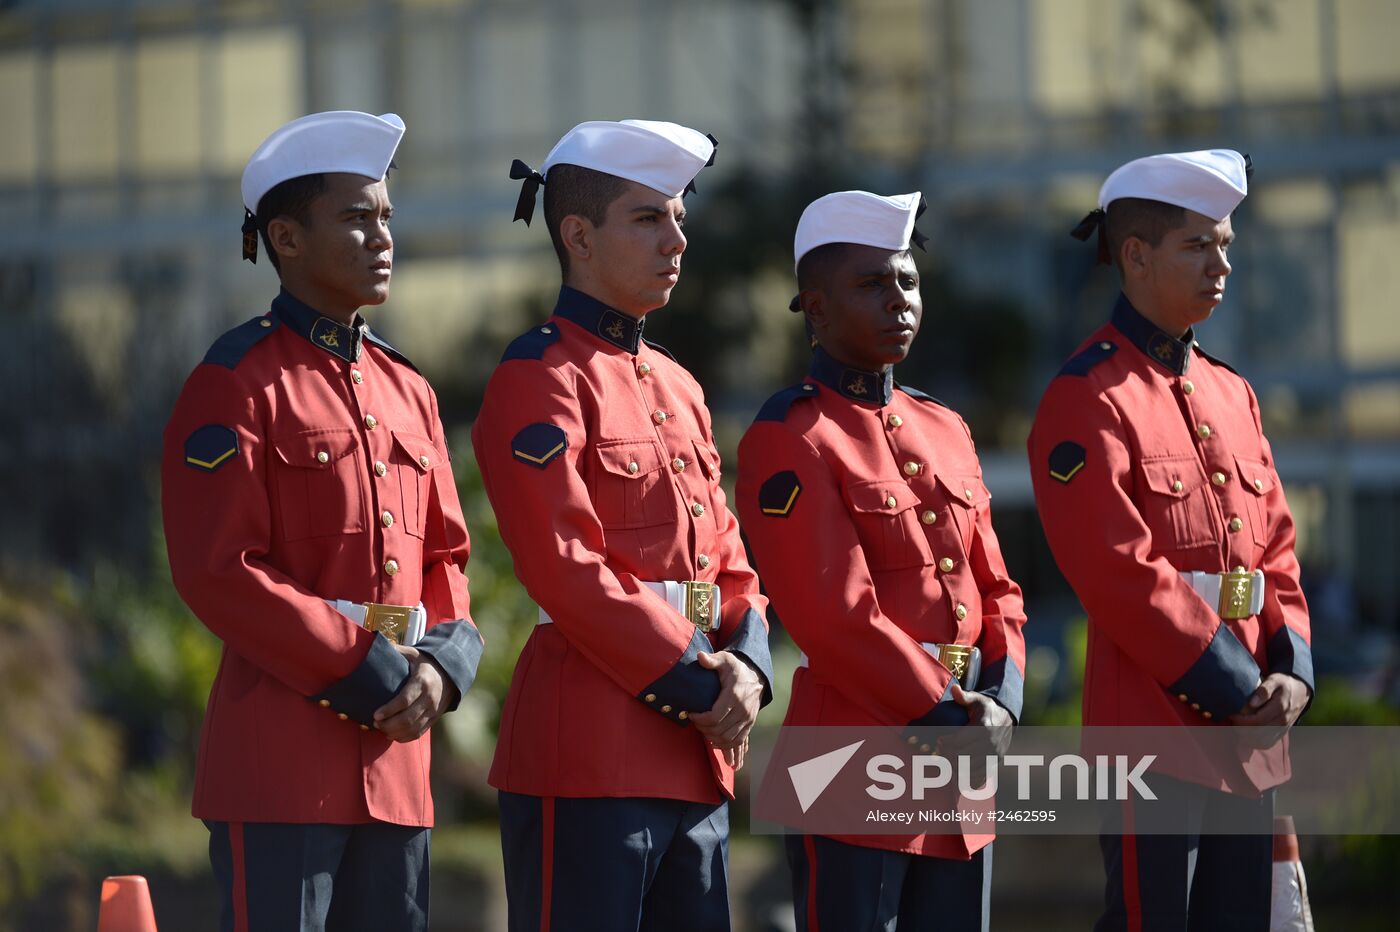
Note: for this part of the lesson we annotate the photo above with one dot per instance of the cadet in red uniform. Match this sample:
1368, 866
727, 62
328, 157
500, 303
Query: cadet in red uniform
864, 504
632, 701
1160, 500
313, 526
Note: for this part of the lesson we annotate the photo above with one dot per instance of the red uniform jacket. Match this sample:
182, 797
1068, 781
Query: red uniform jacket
1148, 458
305, 461
597, 454
866, 511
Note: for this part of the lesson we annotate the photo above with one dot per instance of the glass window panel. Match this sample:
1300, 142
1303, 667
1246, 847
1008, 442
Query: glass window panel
260, 88
1370, 279
518, 47
1373, 410
84, 112
1279, 53
168, 112
1067, 46
1366, 31
349, 72
19, 112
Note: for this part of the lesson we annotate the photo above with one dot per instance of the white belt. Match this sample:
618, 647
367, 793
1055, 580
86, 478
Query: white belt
399, 623
698, 602
1231, 595
969, 662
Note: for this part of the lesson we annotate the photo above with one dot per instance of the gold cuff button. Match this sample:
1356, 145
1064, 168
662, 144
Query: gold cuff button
1195, 707
703, 562
323, 457
666, 709
659, 417
911, 468
1218, 478
890, 501
895, 420
371, 421
960, 612
697, 509
342, 716
546, 330
913, 740
682, 715
929, 517
633, 468
643, 370
946, 564
651, 697
1236, 524
1182, 696
391, 567
324, 703
356, 377
1204, 431
387, 518
264, 323
364, 728
1188, 387
1105, 346
379, 468
678, 464
1205, 715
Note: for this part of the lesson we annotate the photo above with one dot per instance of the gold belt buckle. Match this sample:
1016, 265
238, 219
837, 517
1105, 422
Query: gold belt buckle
700, 607
389, 620
957, 658
1236, 594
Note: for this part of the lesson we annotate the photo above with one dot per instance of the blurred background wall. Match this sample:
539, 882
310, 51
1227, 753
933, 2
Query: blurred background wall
124, 127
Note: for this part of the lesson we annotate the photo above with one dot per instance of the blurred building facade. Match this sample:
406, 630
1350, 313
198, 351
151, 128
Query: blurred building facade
126, 125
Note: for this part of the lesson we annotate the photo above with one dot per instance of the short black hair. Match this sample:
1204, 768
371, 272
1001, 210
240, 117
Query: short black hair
573, 189
812, 267
1146, 219
291, 198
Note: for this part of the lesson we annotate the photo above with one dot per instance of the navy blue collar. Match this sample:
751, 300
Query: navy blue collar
600, 320
330, 335
1161, 347
872, 388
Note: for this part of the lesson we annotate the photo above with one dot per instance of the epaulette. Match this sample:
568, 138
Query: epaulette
921, 396
532, 343
389, 348
229, 349
660, 349
1089, 357
1217, 360
776, 408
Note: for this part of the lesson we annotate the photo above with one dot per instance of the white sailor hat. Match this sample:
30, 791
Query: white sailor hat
336, 141
1211, 182
665, 157
861, 218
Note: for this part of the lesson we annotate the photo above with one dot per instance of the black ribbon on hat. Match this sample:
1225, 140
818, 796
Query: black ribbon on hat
250, 236
1092, 221
1248, 167
915, 237
714, 147
525, 206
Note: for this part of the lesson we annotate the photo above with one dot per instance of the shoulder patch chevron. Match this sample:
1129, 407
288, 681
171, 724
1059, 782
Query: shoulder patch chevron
229, 349
1065, 461
1089, 357
776, 407
539, 444
778, 495
210, 447
532, 343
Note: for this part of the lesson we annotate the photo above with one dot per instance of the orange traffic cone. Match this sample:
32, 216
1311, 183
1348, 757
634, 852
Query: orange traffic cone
126, 906
1291, 911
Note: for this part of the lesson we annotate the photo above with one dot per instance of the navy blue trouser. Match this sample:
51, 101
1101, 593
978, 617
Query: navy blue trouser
838, 887
1192, 880
615, 865
282, 877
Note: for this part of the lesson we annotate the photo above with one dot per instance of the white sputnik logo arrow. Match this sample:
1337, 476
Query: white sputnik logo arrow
811, 777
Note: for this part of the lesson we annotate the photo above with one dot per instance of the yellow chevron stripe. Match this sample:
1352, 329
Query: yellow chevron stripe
786, 508
194, 461
1068, 476
541, 460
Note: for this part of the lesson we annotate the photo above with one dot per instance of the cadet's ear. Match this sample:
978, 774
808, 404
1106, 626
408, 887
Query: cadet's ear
284, 237
1133, 258
576, 233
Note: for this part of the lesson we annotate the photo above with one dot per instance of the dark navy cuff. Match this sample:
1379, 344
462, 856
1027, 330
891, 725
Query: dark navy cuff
945, 714
687, 687
1004, 682
750, 641
456, 646
1222, 679
377, 679
1289, 653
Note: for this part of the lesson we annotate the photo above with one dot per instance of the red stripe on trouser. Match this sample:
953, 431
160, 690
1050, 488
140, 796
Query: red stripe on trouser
546, 860
240, 877
1132, 897
810, 846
